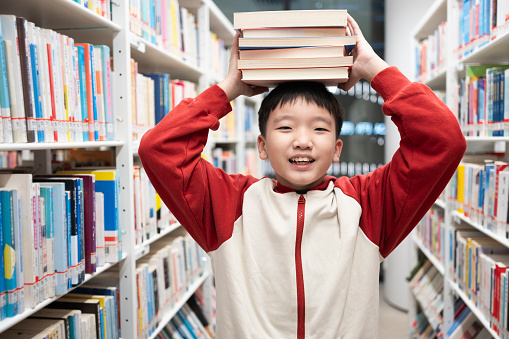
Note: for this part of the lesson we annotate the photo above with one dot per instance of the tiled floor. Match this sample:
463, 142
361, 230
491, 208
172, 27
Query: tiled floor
392, 323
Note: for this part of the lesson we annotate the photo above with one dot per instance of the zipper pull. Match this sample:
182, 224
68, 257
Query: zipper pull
302, 200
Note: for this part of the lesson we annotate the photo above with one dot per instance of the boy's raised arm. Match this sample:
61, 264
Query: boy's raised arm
395, 197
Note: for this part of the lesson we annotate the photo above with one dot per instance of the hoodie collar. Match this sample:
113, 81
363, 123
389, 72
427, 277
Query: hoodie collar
279, 188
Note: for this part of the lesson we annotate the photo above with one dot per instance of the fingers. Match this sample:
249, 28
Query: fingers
352, 80
354, 27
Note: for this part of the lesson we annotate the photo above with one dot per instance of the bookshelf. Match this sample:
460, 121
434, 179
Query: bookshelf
86, 26
445, 76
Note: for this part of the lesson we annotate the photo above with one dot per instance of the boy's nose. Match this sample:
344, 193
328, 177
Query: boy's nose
302, 141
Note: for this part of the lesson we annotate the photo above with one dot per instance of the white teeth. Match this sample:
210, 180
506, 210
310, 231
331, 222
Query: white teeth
301, 160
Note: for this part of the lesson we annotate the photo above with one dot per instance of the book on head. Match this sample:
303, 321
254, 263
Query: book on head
272, 77
300, 18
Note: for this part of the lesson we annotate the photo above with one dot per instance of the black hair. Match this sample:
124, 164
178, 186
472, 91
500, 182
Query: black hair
310, 92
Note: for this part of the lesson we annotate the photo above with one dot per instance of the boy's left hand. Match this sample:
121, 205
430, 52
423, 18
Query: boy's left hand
366, 63
233, 85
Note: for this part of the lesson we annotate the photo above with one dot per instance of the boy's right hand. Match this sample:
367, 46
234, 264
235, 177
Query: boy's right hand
233, 85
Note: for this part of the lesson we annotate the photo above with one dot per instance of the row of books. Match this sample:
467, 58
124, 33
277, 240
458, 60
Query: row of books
151, 215
189, 322
480, 22
101, 7
481, 268
431, 54
90, 311
163, 277
482, 101
224, 159
280, 46
219, 57
427, 286
153, 96
480, 191
51, 88
166, 24
421, 328
431, 232
227, 129
55, 228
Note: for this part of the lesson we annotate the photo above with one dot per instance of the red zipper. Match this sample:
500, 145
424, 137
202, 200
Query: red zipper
301, 333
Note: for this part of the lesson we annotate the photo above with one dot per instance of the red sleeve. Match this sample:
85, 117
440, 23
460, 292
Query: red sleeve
204, 199
395, 197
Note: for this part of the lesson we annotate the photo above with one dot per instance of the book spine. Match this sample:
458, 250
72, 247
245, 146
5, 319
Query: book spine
26, 75
69, 238
99, 94
19, 252
36, 83
5, 106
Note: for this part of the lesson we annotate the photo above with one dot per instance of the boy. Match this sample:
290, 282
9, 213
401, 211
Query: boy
299, 257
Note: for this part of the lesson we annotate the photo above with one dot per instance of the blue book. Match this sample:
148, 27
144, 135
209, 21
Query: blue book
153, 30
94, 89
60, 234
80, 226
457, 322
9, 252
34, 58
3, 294
83, 88
187, 324
69, 242
101, 321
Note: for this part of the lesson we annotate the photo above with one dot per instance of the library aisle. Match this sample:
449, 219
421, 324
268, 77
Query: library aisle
392, 322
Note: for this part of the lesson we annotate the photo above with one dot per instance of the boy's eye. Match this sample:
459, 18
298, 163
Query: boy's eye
284, 128
319, 129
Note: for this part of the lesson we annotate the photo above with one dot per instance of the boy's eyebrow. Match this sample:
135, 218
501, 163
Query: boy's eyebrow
291, 117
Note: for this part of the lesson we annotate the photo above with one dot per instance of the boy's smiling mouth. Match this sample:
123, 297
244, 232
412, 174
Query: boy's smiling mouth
301, 160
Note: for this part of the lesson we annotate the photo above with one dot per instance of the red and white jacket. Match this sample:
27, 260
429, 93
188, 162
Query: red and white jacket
291, 265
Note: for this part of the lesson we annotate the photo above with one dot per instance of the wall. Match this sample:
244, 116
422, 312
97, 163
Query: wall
401, 16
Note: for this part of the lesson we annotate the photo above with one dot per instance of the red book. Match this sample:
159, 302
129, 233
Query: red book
89, 69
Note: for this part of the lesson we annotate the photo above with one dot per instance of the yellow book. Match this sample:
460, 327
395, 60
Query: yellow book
460, 186
103, 299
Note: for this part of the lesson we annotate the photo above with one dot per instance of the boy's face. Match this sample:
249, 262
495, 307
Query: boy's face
300, 143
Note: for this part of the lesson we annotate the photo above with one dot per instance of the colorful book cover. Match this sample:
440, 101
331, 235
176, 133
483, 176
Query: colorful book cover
3, 291
106, 182
49, 223
52, 87
9, 251
71, 185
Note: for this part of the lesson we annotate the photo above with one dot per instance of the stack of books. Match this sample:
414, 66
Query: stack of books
279, 46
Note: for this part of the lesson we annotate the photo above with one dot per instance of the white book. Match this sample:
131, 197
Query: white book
45, 84
10, 33
5, 106
99, 228
9, 56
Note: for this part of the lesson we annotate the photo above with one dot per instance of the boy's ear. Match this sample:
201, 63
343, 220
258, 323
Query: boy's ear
337, 150
262, 152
